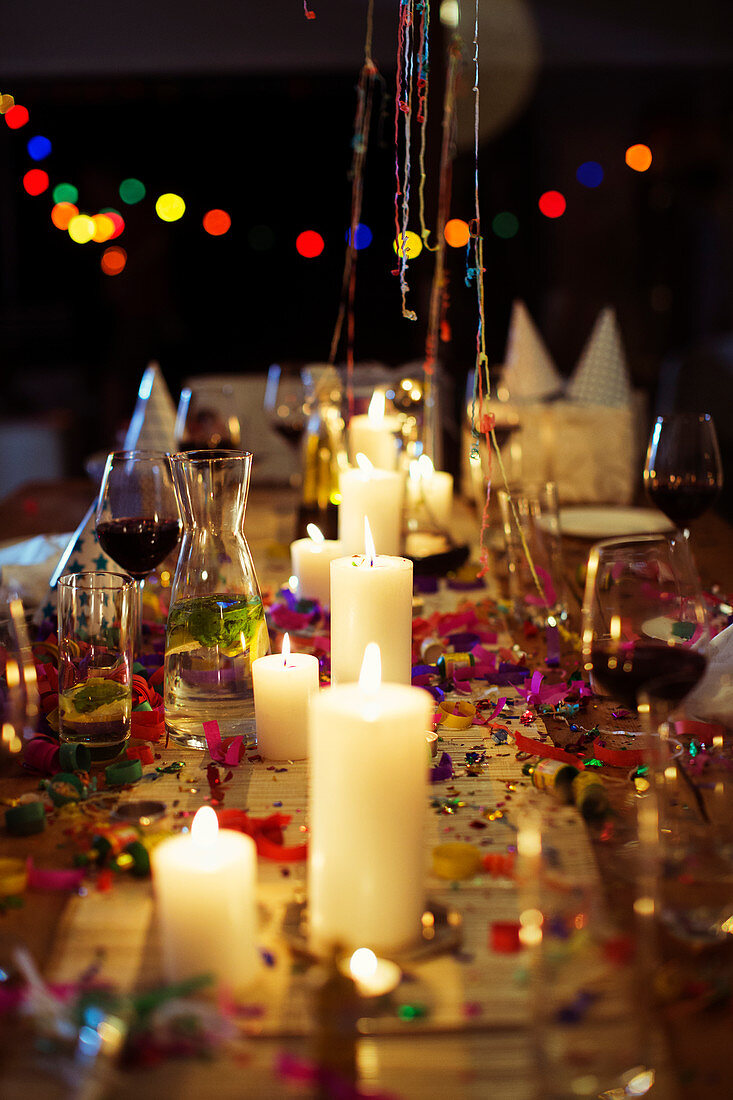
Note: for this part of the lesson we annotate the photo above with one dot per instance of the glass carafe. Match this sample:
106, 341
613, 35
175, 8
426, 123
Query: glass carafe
216, 622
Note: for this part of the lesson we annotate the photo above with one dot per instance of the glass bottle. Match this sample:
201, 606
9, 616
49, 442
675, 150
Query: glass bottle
216, 623
324, 452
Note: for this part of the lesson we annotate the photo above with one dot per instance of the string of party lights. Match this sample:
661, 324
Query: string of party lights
108, 223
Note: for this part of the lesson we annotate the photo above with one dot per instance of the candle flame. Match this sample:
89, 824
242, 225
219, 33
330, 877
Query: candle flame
370, 676
425, 466
293, 584
285, 648
363, 463
615, 628
376, 408
370, 550
363, 964
204, 827
315, 533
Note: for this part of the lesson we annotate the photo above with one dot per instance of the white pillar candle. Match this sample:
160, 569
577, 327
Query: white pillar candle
430, 492
282, 684
310, 563
367, 808
378, 495
205, 897
371, 601
375, 435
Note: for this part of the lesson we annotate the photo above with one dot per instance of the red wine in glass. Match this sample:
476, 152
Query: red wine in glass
622, 671
683, 472
138, 545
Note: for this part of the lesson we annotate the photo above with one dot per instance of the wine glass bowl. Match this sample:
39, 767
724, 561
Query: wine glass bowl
683, 473
644, 618
206, 417
285, 401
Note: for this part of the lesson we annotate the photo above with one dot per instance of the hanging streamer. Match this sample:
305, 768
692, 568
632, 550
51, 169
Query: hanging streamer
403, 108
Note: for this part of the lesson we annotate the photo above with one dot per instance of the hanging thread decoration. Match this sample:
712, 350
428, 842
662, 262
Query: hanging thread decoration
308, 13
403, 110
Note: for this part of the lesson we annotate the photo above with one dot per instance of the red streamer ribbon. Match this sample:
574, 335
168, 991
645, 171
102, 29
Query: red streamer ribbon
545, 748
228, 752
267, 833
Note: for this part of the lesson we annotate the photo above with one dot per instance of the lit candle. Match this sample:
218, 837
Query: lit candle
375, 435
205, 896
376, 494
371, 601
430, 492
367, 807
283, 683
373, 976
310, 562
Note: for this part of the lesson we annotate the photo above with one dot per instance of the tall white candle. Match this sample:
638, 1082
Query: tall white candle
365, 862
375, 435
429, 492
310, 562
371, 601
283, 683
205, 896
376, 494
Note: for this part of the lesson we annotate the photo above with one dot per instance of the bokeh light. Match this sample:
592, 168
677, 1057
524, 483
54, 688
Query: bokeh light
81, 228
590, 174
309, 244
457, 234
639, 157
505, 225
116, 218
6, 102
363, 236
38, 147
62, 213
132, 191
104, 228
261, 238
409, 245
35, 181
552, 204
16, 116
65, 192
217, 222
170, 207
113, 260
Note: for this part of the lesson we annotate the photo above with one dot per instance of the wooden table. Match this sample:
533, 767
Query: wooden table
468, 1063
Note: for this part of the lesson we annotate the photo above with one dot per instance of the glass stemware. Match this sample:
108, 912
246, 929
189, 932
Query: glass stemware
138, 523
644, 619
683, 474
285, 402
207, 418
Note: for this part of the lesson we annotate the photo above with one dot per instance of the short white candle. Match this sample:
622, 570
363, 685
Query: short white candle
376, 494
371, 601
367, 810
310, 563
282, 684
430, 492
375, 435
205, 897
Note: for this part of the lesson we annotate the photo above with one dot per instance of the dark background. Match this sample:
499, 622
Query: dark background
250, 107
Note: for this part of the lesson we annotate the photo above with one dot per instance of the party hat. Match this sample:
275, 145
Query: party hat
601, 376
83, 553
152, 427
529, 373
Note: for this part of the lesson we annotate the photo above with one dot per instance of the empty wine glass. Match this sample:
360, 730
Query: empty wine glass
285, 401
207, 418
138, 522
683, 474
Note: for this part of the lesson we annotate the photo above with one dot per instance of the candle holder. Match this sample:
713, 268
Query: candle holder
441, 931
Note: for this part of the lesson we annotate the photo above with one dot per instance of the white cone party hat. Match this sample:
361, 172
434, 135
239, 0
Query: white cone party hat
601, 376
82, 554
152, 427
529, 372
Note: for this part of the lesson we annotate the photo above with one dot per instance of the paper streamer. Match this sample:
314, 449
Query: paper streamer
228, 752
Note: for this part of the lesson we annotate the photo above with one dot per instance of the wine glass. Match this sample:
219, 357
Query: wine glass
644, 619
683, 474
138, 524
206, 417
285, 401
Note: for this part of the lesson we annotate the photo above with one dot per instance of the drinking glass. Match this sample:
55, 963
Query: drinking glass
206, 417
683, 474
285, 401
19, 703
95, 660
532, 519
138, 523
644, 618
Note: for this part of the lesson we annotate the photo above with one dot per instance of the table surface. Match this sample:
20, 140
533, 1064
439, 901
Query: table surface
466, 1062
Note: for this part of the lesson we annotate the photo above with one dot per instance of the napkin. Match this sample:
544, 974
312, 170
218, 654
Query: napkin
712, 699
152, 427
26, 566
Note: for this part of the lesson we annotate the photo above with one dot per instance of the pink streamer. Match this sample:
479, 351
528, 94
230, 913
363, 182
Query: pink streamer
228, 752
53, 879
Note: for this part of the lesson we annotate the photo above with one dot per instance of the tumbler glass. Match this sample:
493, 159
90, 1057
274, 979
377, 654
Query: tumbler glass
96, 622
